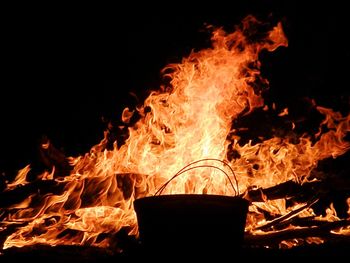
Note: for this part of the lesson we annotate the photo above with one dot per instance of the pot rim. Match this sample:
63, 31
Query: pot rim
191, 197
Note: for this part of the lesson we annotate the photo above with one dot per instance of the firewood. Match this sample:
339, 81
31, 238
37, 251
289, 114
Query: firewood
283, 190
273, 238
287, 216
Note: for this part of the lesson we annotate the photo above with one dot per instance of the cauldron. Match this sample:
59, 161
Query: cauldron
191, 222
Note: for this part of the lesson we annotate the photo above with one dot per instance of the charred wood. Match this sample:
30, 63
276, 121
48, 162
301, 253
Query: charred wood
275, 237
284, 190
286, 217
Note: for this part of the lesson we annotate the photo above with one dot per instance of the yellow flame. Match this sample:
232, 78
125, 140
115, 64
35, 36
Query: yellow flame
20, 179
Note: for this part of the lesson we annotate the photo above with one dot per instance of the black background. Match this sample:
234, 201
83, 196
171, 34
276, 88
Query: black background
67, 71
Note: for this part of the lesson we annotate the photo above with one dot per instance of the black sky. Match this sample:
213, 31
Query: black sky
67, 73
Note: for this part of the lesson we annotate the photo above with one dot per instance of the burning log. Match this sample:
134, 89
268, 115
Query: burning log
302, 192
275, 237
284, 190
288, 216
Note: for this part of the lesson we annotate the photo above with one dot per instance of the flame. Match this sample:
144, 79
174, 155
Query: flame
188, 120
20, 179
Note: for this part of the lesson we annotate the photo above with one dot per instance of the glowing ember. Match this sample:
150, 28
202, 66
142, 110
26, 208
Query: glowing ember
189, 120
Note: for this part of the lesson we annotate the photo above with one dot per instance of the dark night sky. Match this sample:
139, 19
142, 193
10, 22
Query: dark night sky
67, 71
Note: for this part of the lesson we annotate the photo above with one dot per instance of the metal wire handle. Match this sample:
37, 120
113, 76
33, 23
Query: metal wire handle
188, 168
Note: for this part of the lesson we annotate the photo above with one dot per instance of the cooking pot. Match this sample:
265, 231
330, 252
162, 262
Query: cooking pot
191, 222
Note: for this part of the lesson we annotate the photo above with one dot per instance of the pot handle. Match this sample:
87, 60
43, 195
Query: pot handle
188, 168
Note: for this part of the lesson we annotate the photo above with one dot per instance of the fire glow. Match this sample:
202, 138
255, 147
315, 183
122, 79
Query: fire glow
186, 121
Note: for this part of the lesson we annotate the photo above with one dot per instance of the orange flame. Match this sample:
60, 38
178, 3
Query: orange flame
21, 178
188, 120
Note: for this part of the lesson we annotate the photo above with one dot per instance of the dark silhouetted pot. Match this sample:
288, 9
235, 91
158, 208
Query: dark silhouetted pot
191, 223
